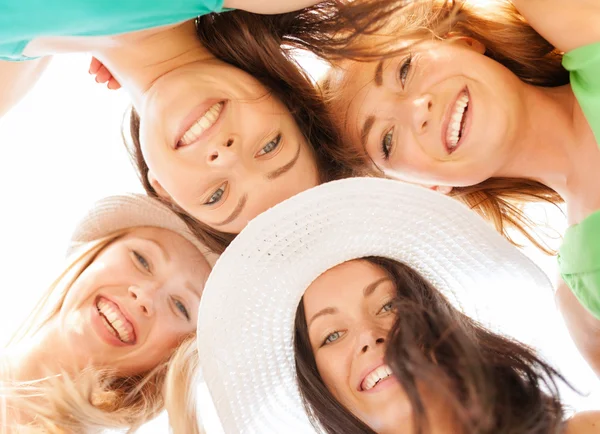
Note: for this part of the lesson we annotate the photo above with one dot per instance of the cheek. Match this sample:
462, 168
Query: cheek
157, 348
334, 368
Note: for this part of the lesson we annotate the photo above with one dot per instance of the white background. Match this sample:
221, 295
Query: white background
62, 150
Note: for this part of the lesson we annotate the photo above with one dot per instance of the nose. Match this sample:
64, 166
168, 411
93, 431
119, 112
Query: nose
370, 338
421, 110
223, 155
143, 296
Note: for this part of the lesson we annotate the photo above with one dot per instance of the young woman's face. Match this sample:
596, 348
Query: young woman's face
220, 146
135, 302
445, 114
349, 313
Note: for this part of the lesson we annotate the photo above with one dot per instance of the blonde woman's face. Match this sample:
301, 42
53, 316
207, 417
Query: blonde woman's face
220, 146
443, 114
135, 302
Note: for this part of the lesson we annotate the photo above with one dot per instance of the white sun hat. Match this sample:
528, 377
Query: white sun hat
246, 318
126, 211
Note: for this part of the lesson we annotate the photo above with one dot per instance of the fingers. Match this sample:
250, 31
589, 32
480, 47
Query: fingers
113, 84
103, 75
94, 66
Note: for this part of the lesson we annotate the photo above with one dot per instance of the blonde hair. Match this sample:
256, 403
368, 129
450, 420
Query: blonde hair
96, 399
370, 30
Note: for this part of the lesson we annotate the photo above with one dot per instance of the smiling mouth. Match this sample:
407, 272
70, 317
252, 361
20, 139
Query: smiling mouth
115, 322
375, 377
457, 123
201, 125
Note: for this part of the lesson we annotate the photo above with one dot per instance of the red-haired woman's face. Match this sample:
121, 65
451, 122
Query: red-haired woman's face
442, 114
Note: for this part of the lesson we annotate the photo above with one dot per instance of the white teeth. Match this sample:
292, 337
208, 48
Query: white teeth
202, 124
376, 376
454, 130
115, 322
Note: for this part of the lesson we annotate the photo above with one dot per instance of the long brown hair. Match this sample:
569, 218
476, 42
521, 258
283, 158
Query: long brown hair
490, 383
367, 30
254, 45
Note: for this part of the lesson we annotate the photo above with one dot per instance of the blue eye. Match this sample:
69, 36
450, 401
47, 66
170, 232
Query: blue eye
216, 196
270, 147
404, 70
179, 305
387, 307
141, 260
332, 338
386, 144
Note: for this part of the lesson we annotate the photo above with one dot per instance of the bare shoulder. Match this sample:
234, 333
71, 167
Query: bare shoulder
587, 422
566, 24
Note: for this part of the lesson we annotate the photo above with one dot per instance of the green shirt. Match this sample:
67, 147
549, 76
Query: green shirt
24, 20
579, 255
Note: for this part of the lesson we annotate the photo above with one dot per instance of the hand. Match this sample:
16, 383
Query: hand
103, 75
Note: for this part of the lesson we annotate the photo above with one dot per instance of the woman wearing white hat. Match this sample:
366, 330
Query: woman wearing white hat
111, 343
307, 294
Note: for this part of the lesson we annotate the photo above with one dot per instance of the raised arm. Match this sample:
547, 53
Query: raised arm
583, 327
567, 24
269, 6
17, 78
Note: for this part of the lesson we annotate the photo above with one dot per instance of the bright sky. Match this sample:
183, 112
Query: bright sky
62, 150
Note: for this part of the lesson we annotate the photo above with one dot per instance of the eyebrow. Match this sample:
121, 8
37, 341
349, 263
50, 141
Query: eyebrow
286, 167
162, 251
236, 212
370, 289
367, 291
378, 78
192, 289
364, 132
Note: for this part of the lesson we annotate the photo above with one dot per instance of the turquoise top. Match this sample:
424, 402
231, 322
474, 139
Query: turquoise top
24, 20
579, 256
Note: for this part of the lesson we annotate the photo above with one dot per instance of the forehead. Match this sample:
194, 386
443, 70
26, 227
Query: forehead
348, 278
175, 245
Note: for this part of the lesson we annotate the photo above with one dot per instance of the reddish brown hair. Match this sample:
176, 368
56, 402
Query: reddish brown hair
367, 30
508, 39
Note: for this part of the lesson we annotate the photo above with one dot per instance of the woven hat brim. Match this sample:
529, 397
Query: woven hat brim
119, 212
246, 318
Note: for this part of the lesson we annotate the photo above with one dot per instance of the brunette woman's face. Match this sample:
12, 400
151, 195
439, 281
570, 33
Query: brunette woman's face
349, 313
220, 146
135, 302
444, 114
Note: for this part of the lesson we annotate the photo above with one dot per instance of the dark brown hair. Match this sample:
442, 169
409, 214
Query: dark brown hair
490, 383
367, 30
253, 43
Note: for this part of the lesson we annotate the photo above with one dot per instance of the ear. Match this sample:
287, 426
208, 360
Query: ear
469, 42
444, 189
157, 186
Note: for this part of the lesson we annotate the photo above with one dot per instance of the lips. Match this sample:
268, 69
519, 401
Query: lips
200, 122
115, 321
456, 121
373, 376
